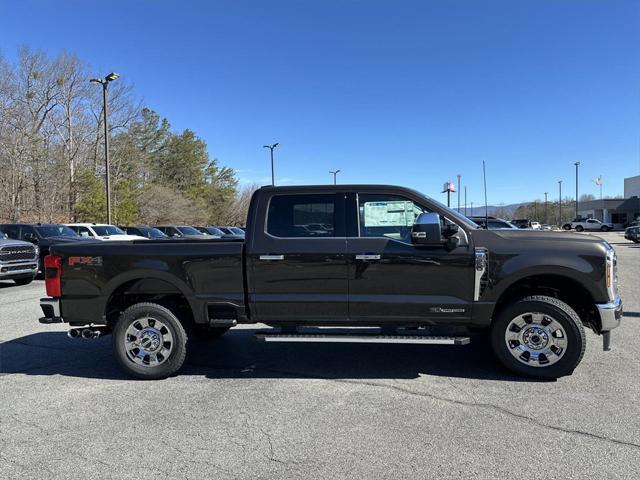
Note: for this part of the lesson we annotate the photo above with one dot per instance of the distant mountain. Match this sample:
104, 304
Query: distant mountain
504, 210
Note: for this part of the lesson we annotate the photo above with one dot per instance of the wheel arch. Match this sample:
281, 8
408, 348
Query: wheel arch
149, 286
566, 288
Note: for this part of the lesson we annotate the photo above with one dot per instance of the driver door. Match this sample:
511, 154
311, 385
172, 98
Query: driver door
391, 279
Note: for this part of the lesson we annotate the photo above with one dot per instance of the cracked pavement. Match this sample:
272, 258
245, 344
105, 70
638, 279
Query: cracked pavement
245, 409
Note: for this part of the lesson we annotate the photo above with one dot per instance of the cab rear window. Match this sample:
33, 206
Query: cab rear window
301, 216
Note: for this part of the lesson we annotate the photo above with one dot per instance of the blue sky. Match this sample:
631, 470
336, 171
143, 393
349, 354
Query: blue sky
405, 92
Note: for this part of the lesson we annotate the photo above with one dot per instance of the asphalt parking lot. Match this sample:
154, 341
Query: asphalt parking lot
244, 409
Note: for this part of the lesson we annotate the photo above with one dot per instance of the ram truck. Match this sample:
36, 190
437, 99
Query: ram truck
321, 262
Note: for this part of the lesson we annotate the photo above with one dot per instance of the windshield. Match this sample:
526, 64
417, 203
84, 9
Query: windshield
214, 231
236, 230
151, 232
189, 231
104, 230
47, 231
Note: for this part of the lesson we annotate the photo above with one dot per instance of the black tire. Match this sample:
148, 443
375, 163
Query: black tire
579, 228
566, 226
172, 363
23, 281
604, 228
558, 311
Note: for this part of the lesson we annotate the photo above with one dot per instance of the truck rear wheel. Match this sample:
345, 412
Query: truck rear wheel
539, 337
149, 342
579, 228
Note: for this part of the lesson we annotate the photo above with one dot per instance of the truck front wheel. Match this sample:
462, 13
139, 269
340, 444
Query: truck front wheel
539, 337
149, 342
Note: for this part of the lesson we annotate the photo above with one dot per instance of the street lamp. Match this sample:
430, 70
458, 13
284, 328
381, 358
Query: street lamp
271, 147
560, 203
334, 175
459, 192
105, 82
465, 200
577, 164
546, 209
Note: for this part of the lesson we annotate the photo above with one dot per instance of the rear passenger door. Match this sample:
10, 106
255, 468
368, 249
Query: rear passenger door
296, 258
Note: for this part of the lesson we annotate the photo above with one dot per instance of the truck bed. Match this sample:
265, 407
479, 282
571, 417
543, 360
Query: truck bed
93, 271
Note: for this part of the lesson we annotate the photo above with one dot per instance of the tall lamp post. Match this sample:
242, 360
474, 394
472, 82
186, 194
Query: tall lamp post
577, 164
105, 86
465, 200
335, 174
560, 203
271, 148
546, 208
459, 192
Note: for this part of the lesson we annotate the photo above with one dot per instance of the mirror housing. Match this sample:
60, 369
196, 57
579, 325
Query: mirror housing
426, 230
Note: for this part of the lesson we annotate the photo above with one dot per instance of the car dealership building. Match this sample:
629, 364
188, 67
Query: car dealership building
619, 211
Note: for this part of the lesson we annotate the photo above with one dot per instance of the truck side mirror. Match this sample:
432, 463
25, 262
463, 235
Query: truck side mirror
426, 229
30, 237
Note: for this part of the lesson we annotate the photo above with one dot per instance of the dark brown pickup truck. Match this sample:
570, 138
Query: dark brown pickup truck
343, 256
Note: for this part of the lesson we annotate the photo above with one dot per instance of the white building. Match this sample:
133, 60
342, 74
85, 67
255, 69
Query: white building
632, 187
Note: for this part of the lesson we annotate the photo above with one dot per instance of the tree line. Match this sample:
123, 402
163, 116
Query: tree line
52, 153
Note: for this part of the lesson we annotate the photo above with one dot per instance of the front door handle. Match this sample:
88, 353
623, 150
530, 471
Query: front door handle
367, 256
272, 257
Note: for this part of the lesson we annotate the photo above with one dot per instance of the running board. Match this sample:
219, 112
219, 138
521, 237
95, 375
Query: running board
342, 338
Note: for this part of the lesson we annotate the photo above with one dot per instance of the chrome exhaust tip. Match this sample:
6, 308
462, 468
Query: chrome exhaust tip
73, 333
87, 333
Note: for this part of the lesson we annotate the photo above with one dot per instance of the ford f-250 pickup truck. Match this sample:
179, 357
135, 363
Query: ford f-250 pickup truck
343, 256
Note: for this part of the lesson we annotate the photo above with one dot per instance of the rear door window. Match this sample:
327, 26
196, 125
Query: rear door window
302, 216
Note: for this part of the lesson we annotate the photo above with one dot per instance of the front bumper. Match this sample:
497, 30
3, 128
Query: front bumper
12, 270
610, 314
51, 309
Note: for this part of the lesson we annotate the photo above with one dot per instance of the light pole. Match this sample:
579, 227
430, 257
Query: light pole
105, 82
472, 209
577, 164
334, 175
560, 203
271, 147
546, 208
465, 200
459, 192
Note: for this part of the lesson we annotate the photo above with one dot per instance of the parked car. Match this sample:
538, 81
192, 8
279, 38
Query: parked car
536, 226
522, 223
147, 232
390, 257
42, 234
18, 260
231, 232
494, 222
546, 226
213, 231
183, 231
633, 234
591, 224
101, 231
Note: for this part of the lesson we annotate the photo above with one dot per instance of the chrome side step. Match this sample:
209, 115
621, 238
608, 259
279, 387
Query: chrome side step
346, 338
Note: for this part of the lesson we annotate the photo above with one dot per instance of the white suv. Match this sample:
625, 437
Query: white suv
103, 232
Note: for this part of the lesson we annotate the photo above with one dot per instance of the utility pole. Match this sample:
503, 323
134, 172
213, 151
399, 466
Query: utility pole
107, 178
472, 209
560, 203
459, 192
546, 208
577, 164
535, 210
271, 148
334, 175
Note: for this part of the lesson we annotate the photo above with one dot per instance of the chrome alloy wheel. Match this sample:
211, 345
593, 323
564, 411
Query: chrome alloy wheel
536, 339
148, 342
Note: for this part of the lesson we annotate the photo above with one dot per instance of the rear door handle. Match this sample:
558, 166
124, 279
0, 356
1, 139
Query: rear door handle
272, 257
367, 257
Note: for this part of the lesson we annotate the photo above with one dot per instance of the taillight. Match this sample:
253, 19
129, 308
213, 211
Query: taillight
52, 275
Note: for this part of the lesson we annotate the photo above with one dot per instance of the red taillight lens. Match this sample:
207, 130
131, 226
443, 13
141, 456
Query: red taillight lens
52, 275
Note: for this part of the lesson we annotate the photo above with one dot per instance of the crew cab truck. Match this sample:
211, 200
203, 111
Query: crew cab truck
376, 256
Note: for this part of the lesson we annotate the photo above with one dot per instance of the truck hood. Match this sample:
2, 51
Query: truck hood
546, 235
14, 243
